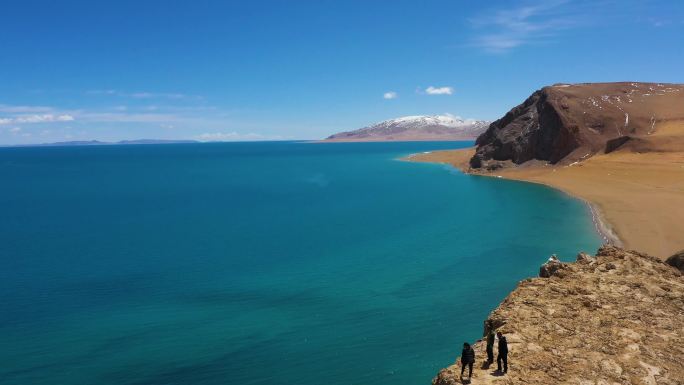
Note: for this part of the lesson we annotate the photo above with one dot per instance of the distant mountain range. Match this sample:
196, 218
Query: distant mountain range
99, 143
421, 127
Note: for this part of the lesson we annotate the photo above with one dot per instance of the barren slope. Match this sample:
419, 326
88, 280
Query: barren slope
567, 123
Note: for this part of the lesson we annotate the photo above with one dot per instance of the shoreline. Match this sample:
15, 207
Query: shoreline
602, 227
573, 293
636, 199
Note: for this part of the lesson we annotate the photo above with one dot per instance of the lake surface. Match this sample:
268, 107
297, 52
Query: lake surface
259, 263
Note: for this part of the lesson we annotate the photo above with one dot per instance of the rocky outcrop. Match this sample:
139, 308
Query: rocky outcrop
677, 260
551, 267
568, 123
615, 318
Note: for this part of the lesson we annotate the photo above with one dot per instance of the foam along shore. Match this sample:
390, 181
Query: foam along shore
637, 199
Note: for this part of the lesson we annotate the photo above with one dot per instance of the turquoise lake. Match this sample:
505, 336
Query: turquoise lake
259, 263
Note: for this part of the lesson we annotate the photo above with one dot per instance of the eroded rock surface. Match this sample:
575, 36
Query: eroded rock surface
616, 318
570, 122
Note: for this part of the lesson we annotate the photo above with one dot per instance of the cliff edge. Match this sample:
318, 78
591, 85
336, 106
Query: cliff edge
615, 318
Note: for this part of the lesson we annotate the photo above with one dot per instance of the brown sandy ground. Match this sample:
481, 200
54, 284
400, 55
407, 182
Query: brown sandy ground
639, 196
617, 318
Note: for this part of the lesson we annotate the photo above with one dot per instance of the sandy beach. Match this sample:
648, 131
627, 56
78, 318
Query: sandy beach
637, 198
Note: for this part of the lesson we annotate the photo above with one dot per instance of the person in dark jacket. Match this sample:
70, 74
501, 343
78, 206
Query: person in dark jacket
490, 343
503, 353
467, 358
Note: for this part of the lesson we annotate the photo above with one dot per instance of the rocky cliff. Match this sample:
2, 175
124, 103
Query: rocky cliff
614, 318
571, 122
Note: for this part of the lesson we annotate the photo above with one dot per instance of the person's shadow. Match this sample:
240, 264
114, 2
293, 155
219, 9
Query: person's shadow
497, 373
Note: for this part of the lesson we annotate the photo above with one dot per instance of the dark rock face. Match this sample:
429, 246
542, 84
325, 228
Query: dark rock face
567, 123
584, 258
551, 267
677, 261
614, 144
532, 130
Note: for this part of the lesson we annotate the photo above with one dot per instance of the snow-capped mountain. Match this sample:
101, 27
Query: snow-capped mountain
422, 127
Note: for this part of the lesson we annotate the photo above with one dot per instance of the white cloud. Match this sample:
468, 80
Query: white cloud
439, 90
234, 136
14, 130
157, 95
44, 118
390, 95
216, 123
170, 115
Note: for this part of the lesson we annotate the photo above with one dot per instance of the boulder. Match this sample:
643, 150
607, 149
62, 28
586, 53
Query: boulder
551, 267
677, 261
584, 258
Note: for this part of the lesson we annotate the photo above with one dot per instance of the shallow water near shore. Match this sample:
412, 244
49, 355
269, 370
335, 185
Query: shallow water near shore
259, 263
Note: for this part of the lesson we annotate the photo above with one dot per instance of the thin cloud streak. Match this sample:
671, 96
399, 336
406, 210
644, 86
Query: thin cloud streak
531, 23
145, 94
117, 114
30, 119
24, 109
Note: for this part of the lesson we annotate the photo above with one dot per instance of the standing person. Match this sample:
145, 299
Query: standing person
503, 353
490, 343
467, 358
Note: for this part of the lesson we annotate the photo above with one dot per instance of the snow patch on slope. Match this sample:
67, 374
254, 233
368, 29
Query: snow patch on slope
417, 127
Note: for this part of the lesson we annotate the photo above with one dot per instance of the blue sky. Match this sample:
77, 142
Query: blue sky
249, 70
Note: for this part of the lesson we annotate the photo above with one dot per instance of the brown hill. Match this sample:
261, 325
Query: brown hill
568, 123
615, 318
619, 146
